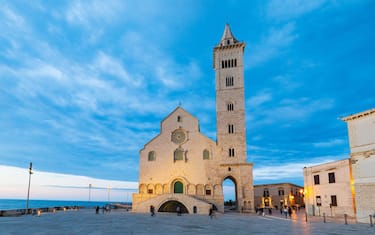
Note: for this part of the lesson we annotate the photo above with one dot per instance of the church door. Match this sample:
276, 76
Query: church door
178, 187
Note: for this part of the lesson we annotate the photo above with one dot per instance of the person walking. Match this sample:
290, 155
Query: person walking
152, 210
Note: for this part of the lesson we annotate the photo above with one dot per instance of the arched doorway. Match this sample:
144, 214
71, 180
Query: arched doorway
178, 187
171, 206
230, 194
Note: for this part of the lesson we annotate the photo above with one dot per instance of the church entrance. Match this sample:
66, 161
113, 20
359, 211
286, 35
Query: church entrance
230, 194
171, 206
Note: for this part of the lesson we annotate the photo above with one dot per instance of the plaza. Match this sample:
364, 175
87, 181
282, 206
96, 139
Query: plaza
119, 221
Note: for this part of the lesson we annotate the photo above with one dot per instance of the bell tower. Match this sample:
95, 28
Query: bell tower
230, 105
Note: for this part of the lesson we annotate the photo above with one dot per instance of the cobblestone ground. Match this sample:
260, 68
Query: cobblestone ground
121, 222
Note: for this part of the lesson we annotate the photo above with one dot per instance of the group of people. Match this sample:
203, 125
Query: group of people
105, 208
286, 211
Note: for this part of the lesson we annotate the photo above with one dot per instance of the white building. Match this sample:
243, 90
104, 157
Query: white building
361, 129
346, 186
328, 189
183, 168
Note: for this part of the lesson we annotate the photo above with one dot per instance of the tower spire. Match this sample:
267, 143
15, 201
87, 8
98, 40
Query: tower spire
227, 38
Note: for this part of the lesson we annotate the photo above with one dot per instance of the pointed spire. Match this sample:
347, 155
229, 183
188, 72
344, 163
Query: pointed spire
227, 38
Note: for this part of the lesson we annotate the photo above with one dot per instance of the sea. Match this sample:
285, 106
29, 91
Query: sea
13, 204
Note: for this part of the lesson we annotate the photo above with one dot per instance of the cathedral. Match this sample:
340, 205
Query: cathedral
182, 168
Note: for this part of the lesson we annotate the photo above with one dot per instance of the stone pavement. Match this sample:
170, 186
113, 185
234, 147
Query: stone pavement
85, 221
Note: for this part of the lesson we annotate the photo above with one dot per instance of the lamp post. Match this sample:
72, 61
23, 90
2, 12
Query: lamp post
109, 191
89, 194
28, 190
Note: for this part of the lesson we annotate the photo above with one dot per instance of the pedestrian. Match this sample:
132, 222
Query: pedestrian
210, 213
285, 212
152, 210
269, 211
178, 209
97, 209
290, 212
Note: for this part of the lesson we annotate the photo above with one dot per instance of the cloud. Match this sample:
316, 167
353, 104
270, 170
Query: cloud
288, 110
276, 40
286, 9
288, 170
259, 99
46, 185
329, 143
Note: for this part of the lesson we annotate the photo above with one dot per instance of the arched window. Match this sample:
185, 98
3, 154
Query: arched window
222, 64
230, 107
230, 128
231, 152
206, 154
178, 154
179, 119
235, 62
151, 156
178, 187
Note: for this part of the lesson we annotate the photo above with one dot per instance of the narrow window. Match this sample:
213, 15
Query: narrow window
226, 64
318, 201
331, 178
206, 154
333, 200
151, 156
231, 63
179, 119
230, 128
281, 192
231, 152
316, 179
235, 62
222, 64
178, 154
266, 193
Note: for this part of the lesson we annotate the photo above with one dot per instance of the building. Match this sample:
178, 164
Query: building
346, 186
181, 167
328, 189
278, 195
361, 132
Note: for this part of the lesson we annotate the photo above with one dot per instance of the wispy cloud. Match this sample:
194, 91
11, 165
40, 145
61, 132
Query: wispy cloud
329, 143
272, 45
285, 9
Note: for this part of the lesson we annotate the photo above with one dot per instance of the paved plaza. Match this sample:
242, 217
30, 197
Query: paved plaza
85, 221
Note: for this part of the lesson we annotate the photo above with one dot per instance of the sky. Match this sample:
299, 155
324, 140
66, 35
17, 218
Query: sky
85, 84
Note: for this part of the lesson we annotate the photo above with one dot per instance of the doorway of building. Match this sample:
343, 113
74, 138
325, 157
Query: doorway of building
171, 206
178, 187
230, 194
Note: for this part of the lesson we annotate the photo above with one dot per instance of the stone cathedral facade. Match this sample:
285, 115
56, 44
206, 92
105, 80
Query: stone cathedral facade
181, 167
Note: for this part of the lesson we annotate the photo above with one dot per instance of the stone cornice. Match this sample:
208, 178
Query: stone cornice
359, 115
363, 153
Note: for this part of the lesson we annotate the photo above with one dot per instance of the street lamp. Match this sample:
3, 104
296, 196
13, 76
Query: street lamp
28, 190
89, 194
109, 191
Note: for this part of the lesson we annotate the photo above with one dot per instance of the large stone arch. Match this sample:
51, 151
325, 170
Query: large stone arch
171, 206
235, 182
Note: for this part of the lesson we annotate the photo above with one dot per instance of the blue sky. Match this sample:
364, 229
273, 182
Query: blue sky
85, 84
